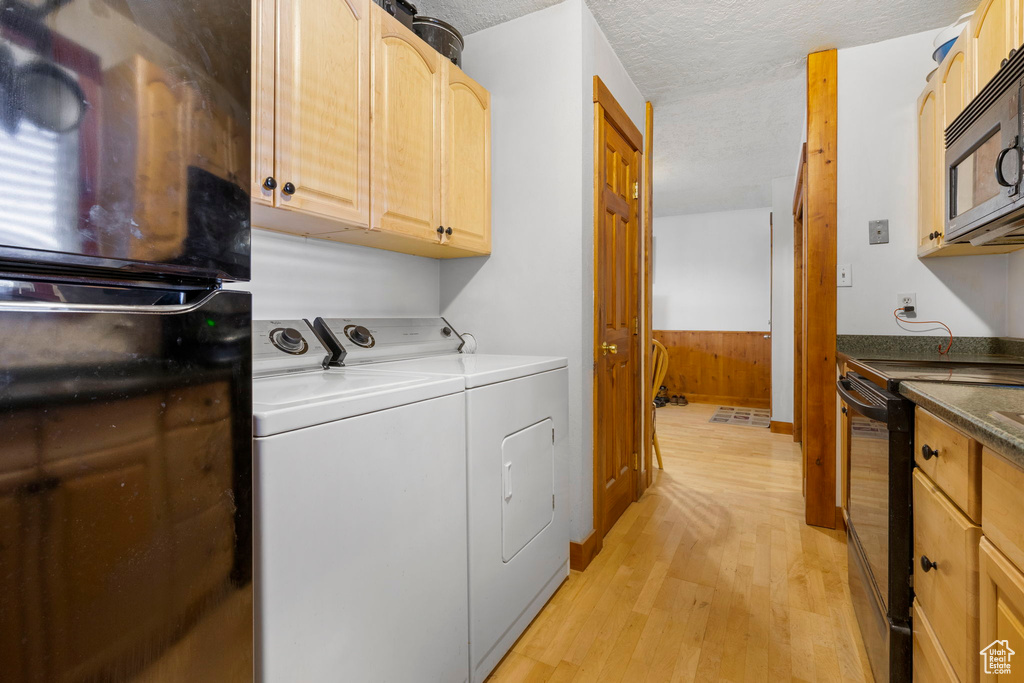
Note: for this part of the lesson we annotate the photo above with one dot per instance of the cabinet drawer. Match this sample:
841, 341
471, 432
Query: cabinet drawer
1003, 484
947, 593
1002, 607
956, 466
930, 663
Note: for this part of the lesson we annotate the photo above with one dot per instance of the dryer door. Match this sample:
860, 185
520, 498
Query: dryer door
528, 486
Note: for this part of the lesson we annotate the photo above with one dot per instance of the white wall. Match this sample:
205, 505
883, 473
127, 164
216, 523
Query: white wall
1015, 296
534, 294
878, 89
297, 277
525, 297
782, 299
712, 271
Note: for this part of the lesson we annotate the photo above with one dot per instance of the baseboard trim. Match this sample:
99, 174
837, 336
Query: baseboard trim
781, 428
582, 554
734, 401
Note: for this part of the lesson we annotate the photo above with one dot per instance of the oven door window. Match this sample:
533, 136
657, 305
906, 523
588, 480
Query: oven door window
974, 178
869, 495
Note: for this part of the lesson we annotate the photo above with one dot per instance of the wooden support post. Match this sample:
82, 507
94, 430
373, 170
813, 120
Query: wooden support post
819, 301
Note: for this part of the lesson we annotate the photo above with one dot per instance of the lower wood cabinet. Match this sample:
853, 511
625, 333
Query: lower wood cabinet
1002, 614
946, 574
930, 663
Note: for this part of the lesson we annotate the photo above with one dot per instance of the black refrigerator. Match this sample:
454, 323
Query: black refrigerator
125, 365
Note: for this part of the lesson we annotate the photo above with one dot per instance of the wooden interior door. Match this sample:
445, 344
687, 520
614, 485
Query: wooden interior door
407, 84
466, 173
617, 392
322, 115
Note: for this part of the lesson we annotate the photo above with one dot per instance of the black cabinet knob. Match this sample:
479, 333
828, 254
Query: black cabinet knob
846, 411
927, 565
288, 189
928, 452
448, 232
270, 183
440, 230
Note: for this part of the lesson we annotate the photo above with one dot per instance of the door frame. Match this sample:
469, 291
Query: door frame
647, 349
606, 107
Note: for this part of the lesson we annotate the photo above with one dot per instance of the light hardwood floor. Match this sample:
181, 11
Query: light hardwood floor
711, 576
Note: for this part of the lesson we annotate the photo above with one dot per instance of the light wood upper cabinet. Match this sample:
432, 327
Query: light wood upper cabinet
363, 133
407, 119
466, 176
322, 121
264, 48
929, 175
954, 82
993, 34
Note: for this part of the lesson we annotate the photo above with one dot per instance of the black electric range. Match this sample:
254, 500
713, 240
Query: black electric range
878, 507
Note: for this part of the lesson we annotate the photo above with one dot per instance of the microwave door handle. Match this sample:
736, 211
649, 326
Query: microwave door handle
877, 413
992, 235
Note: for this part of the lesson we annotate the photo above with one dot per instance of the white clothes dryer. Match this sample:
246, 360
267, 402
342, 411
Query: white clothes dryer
516, 412
361, 539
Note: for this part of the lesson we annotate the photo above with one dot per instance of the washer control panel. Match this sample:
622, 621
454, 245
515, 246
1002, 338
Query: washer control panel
357, 341
285, 346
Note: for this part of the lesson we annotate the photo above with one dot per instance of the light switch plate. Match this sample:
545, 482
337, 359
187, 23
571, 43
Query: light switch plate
878, 232
844, 275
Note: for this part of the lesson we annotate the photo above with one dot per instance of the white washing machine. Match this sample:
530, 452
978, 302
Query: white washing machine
516, 440
361, 538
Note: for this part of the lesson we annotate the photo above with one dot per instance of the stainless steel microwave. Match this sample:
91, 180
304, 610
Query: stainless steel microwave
985, 163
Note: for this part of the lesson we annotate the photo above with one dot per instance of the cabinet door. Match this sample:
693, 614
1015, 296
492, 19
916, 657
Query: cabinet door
992, 38
1002, 613
466, 165
929, 178
955, 82
407, 80
322, 124
264, 46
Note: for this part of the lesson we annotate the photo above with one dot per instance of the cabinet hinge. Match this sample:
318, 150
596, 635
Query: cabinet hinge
636, 190
552, 501
552, 435
636, 325
636, 461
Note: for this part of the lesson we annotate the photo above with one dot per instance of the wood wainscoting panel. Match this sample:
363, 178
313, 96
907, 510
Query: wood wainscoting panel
727, 368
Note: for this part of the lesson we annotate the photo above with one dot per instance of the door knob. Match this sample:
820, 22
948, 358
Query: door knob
609, 348
288, 189
270, 183
927, 565
928, 452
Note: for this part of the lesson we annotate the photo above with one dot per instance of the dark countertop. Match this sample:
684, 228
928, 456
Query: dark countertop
969, 408
904, 347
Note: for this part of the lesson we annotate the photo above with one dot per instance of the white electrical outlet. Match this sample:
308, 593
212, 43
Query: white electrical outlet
907, 299
844, 275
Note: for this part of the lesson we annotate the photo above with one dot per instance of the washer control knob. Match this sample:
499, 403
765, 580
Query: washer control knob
288, 339
360, 335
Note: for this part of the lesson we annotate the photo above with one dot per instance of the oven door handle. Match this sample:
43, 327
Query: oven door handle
877, 413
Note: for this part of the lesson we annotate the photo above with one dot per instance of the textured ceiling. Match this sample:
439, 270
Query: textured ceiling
725, 77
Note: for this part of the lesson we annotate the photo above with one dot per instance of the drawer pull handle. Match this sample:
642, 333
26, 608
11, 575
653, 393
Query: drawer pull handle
928, 452
927, 565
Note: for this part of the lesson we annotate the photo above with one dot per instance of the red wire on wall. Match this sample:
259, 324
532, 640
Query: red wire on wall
942, 352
